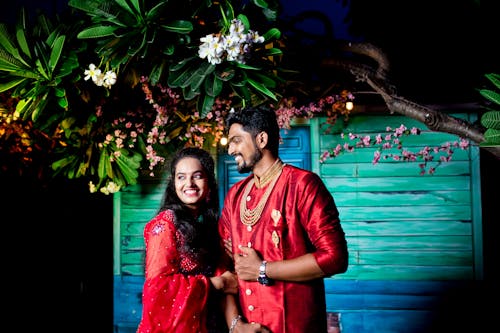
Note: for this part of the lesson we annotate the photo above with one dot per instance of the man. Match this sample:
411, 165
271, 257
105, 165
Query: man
282, 228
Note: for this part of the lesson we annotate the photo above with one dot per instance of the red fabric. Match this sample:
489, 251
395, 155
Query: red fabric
308, 223
172, 302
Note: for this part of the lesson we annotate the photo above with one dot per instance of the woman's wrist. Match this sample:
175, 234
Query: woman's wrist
234, 322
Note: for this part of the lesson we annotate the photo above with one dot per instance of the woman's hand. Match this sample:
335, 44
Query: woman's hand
230, 282
227, 282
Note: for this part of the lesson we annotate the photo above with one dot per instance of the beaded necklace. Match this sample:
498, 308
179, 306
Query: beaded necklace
251, 216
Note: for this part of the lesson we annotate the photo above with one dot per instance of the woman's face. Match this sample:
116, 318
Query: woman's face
191, 182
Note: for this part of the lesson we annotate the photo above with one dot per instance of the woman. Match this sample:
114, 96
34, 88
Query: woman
182, 246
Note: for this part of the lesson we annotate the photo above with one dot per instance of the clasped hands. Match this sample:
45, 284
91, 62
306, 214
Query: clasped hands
246, 261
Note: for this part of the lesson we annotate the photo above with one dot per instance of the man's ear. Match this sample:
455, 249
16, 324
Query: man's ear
262, 138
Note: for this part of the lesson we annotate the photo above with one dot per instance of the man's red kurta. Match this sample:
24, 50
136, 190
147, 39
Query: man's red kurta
302, 213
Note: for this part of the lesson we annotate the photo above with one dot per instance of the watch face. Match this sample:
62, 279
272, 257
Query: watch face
264, 280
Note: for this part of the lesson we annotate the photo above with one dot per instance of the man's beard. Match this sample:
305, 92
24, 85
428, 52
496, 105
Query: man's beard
244, 167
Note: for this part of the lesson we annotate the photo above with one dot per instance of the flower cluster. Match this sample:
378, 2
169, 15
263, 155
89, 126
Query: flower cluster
106, 79
393, 140
331, 106
234, 46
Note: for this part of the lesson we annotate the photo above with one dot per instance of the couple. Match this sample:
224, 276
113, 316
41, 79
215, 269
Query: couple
259, 266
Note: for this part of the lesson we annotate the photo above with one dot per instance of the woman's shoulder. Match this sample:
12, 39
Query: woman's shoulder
163, 220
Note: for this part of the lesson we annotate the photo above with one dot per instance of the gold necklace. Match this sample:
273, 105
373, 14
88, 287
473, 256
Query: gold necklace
269, 174
251, 216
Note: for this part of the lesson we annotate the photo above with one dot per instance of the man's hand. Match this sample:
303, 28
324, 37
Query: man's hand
247, 263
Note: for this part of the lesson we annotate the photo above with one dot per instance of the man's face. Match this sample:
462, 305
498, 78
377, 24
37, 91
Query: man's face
242, 146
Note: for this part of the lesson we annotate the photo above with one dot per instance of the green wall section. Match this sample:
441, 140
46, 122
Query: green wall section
413, 239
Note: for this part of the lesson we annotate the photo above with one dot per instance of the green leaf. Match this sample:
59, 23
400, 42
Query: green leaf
260, 3
492, 137
491, 119
57, 47
21, 40
177, 78
245, 21
213, 85
273, 51
7, 44
272, 33
11, 84
101, 168
131, 6
245, 66
178, 26
205, 105
262, 89
494, 78
156, 72
97, 32
490, 95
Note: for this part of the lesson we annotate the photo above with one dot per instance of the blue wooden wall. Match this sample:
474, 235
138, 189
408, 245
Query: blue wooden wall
415, 240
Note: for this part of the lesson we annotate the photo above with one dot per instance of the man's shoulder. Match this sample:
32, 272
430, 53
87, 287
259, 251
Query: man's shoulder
296, 172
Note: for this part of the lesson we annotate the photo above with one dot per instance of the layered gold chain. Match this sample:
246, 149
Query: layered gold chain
251, 216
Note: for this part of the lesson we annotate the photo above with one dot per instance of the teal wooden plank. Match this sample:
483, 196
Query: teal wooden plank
133, 257
397, 184
138, 200
133, 269
360, 155
415, 212
386, 321
334, 286
404, 198
127, 302
370, 123
392, 243
414, 258
407, 228
132, 243
132, 228
138, 215
392, 169
410, 272
425, 138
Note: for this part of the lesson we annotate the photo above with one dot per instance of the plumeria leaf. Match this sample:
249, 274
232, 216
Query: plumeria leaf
178, 26
213, 85
97, 32
11, 84
260, 3
245, 66
262, 89
57, 47
245, 21
131, 6
206, 105
273, 51
21, 40
272, 33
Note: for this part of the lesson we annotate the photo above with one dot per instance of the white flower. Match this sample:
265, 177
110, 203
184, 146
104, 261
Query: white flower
93, 72
109, 79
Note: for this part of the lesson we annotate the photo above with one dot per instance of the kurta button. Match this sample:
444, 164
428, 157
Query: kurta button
251, 307
248, 292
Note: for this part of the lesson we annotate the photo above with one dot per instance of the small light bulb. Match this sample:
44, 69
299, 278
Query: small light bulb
349, 105
223, 141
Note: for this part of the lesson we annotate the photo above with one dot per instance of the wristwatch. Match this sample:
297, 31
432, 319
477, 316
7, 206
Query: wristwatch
263, 279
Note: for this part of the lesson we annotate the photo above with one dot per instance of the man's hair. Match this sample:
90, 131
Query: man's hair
255, 120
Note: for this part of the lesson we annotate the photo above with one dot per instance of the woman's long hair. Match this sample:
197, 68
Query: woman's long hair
200, 236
